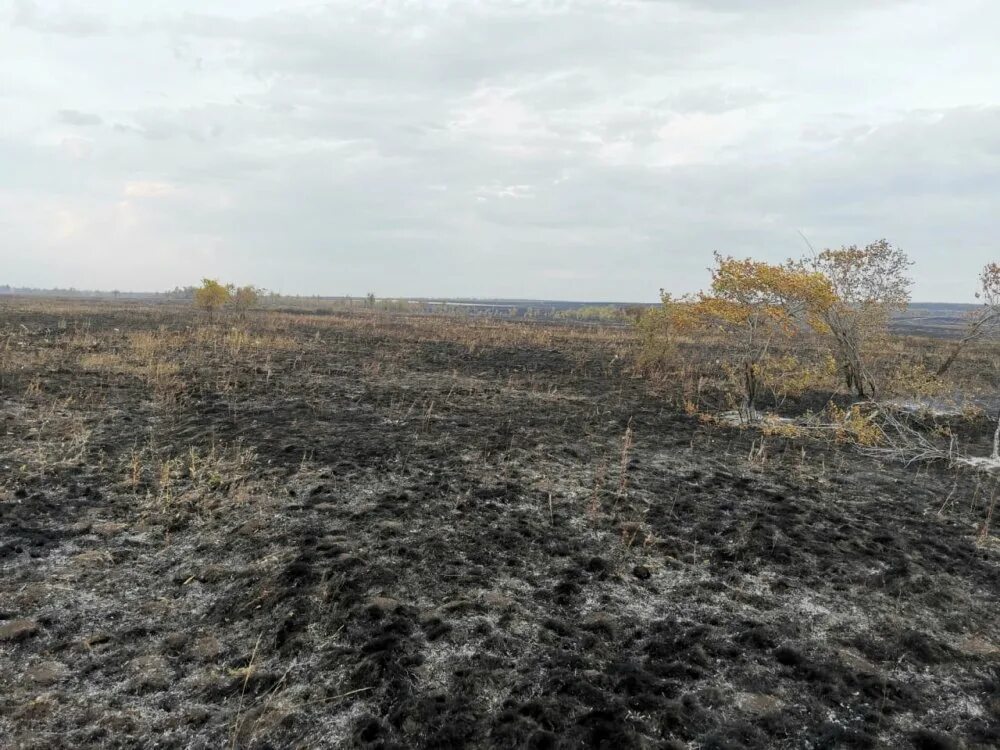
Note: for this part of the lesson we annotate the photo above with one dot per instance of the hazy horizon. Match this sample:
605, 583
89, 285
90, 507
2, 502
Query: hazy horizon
413, 297
550, 150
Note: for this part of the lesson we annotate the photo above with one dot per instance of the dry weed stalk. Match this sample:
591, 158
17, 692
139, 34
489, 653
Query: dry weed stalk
628, 443
758, 452
996, 441
248, 672
594, 506
984, 530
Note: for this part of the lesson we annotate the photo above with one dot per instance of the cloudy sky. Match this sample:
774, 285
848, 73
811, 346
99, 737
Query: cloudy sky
530, 148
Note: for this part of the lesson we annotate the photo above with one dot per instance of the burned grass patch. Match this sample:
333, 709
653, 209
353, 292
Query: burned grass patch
372, 531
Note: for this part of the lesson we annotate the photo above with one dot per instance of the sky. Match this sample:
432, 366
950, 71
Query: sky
536, 149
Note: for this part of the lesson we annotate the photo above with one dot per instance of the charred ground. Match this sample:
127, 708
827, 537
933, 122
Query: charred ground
389, 531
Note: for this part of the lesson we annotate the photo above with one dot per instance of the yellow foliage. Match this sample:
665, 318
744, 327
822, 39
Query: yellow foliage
750, 304
751, 294
790, 376
854, 426
659, 329
915, 381
211, 295
773, 427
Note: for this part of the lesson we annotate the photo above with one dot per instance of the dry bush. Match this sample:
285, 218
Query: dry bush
211, 296
244, 298
808, 330
660, 331
794, 374
904, 378
855, 425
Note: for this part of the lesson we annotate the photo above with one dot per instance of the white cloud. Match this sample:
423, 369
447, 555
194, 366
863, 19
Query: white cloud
148, 189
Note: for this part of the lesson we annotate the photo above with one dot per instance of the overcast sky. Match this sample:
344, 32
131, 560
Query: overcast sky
555, 149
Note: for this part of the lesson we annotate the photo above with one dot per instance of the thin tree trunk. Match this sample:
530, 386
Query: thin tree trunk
976, 329
750, 386
946, 365
856, 380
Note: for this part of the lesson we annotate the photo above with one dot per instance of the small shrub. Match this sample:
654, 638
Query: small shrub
752, 306
211, 296
854, 426
245, 298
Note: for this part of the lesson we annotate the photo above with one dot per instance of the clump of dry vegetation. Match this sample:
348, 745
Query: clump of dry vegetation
212, 297
816, 332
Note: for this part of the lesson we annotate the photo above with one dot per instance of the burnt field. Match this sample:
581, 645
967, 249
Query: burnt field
383, 531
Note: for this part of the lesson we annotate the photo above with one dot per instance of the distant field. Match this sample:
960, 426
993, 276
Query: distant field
922, 318
933, 319
939, 319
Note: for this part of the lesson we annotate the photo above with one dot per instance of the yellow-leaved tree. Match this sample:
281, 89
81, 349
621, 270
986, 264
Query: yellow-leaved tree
211, 296
752, 304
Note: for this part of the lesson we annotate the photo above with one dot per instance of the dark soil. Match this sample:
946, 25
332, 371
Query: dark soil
393, 536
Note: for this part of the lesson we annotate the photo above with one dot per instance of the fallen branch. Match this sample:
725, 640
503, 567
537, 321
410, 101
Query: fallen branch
901, 442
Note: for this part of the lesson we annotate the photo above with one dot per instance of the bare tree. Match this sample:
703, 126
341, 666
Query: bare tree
244, 298
870, 284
